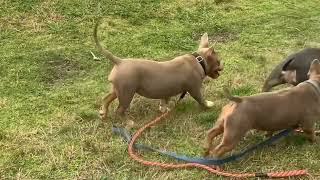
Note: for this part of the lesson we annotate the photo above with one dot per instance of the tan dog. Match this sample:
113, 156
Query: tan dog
159, 80
294, 107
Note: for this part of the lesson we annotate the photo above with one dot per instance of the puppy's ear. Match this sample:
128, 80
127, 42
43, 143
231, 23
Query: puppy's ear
314, 67
287, 64
204, 42
289, 76
207, 52
212, 47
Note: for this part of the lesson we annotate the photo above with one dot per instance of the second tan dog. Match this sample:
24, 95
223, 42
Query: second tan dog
159, 80
289, 108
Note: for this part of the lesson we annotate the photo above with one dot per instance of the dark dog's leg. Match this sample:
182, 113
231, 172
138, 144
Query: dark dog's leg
105, 104
182, 95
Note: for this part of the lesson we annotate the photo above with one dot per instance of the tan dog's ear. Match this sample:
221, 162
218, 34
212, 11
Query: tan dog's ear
204, 42
207, 52
314, 68
212, 46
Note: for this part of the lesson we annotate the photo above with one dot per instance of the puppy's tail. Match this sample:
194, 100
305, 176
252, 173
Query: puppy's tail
116, 60
230, 97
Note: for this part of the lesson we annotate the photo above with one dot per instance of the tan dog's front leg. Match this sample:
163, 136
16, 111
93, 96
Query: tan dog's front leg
196, 94
163, 107
105, 104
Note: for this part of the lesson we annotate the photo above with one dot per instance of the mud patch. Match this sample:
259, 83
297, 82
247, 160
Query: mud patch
222, 37
258, 59
222, 1
3, 103
58, 69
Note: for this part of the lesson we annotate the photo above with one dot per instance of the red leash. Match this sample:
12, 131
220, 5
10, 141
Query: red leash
214, 170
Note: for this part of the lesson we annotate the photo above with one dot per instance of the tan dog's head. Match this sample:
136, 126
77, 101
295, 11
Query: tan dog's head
314, 71
211, 57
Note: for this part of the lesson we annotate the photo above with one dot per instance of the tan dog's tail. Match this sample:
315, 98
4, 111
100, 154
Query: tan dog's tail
230, 97
106, 53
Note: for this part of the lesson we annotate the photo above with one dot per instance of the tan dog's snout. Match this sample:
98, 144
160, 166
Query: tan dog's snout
221, 65
219, 68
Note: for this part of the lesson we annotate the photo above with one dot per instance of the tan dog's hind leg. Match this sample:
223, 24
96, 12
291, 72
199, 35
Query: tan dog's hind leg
222, 149
309, 129
231, 137
125, 99
105, 104
214, 132
219, 128
163, 107
311, 134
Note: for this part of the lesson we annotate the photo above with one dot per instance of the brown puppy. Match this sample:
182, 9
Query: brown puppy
289, 108
159, 80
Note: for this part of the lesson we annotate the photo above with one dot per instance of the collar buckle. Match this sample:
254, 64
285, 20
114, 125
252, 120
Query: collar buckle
199, 59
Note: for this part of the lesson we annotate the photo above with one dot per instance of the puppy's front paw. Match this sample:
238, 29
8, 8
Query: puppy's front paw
163, 109
206, 153
102, 114
209, 104
129, 125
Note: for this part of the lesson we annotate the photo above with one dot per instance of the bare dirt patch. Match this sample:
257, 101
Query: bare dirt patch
58, 68
221, 35
3, 103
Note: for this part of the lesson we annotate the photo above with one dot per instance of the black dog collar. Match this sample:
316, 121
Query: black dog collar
201, 61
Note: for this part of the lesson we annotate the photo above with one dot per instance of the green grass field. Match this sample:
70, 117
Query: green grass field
51, 88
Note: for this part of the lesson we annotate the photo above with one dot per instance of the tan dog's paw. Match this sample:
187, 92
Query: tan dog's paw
163, 109
206, 153
210, 154
209, 104
102, 114
129, 125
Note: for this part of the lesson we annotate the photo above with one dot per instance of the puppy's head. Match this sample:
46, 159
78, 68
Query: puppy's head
211, 57
314, 71
289, 76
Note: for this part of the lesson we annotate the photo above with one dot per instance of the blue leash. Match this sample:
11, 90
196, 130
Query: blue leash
218, 162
